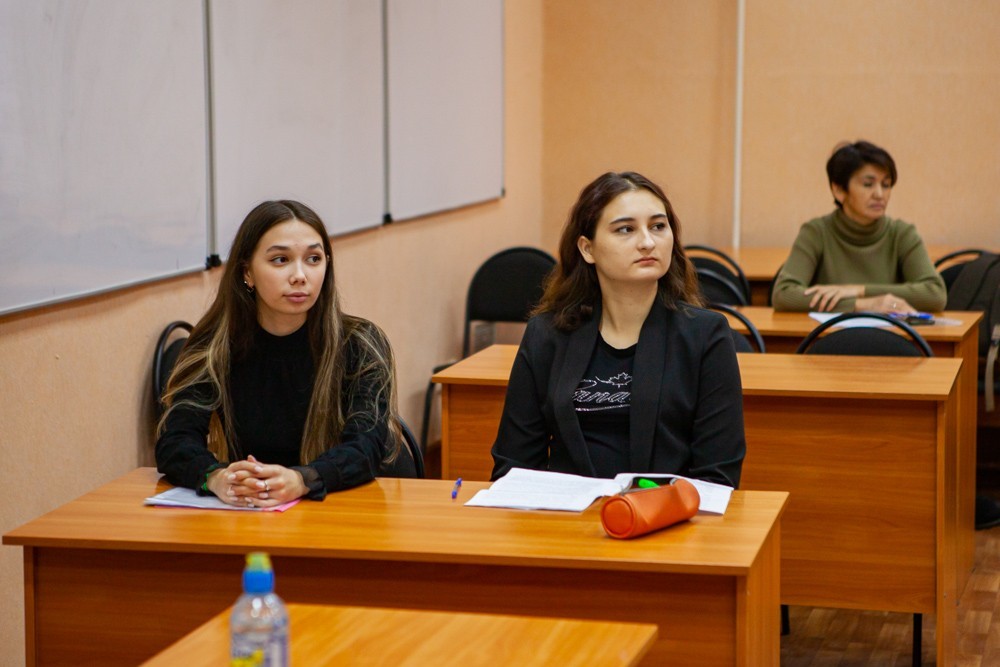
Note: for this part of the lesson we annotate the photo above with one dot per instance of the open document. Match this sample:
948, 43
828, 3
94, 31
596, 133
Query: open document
181, 497
540, 490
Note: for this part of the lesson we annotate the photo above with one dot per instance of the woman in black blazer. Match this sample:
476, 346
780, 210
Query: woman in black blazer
620, 370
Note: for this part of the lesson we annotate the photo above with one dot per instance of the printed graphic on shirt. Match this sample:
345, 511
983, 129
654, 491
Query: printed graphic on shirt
597, 394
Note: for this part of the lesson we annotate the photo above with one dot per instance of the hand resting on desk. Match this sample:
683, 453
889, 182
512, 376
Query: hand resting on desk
256, 484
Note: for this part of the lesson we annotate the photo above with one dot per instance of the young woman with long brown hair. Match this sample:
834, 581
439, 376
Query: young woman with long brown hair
277, 394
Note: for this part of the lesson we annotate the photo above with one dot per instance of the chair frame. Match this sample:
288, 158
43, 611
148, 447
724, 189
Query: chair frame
754, 334
915, 337
162, 344
724, 282
470, 317
744, 284
958, 253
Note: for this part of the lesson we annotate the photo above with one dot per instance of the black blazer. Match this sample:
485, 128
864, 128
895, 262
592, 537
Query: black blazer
686, 415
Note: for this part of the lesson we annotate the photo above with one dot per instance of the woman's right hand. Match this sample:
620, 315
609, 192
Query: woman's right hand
826, 297
219, 484
884, 303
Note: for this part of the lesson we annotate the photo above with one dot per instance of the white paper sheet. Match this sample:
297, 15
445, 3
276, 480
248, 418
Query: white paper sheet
181, 497
541, 490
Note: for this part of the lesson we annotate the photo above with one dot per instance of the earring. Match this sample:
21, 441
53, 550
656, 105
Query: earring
249, 287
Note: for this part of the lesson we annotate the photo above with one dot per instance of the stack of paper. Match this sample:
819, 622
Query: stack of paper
180, 497
541, 490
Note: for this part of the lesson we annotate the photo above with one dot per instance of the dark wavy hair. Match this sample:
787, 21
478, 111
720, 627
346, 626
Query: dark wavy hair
572, 289
848, 158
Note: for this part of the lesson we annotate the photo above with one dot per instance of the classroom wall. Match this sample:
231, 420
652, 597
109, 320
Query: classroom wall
76, 408
649, 85
590, 85
641, 85
920, 78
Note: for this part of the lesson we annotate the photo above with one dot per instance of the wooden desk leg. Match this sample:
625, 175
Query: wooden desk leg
31, 658
948, 545
445, 431
968, 351
758, 628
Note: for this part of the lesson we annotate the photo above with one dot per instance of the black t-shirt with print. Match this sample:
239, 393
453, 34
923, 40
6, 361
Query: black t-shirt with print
602, 402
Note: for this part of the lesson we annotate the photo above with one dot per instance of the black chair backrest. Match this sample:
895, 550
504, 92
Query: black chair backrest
743, 343
410, 462
865, 341
718, 288
165, 356
707, 257
953, 268
770, 286
506, 288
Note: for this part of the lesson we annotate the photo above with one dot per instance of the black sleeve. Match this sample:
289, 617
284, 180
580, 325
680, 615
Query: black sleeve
719, 443
523, 436
182, 449
363, 443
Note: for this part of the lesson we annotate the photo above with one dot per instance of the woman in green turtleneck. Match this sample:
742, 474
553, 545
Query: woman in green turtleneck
857, 258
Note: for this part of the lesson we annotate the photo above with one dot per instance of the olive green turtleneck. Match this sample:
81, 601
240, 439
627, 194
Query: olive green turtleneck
885, 256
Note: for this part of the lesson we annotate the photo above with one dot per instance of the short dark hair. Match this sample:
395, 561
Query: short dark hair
849, 158
572, 289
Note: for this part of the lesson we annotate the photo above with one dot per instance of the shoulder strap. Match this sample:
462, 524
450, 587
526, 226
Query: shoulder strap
966, 286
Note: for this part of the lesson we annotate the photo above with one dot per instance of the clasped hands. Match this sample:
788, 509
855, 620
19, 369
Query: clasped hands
826, 297
251, 483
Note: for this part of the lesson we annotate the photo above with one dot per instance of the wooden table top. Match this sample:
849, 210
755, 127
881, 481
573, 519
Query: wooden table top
772, 323
335, 635
897, 378
405, 520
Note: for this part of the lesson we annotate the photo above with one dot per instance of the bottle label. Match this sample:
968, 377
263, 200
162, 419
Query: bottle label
272, 653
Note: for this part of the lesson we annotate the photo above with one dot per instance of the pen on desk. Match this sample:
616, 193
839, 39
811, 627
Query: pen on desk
454, 491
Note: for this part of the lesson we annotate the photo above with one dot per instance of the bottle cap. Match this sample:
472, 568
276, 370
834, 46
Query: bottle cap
258, 577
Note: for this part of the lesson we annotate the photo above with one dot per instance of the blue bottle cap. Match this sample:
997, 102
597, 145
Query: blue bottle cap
258, 577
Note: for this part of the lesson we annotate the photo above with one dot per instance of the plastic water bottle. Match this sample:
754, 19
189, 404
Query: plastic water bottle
258, 626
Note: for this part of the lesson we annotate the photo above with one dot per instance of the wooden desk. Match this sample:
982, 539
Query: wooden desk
761, 265
109, 581
328, 635
783, 332
867, 447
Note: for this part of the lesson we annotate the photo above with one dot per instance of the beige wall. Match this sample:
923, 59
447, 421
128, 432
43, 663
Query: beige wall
649, 85
641, 85
920, 78
75, 408
591, 85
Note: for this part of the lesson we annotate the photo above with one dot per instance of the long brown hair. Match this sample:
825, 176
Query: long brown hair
572, 289
226, 332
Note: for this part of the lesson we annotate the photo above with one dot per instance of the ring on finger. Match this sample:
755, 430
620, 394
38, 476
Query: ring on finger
267, 489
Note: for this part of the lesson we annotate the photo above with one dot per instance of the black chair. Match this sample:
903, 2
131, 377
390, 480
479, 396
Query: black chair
865, 341
954, 267
717, 288
168, 348
747, 342
868, 341
505, 288
991, 380
410, 462
770, 286
721, 265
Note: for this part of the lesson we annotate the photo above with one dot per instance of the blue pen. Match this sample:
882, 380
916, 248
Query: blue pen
454, 491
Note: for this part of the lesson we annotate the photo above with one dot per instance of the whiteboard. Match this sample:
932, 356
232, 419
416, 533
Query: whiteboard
445, 109
103, 178
298, 110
